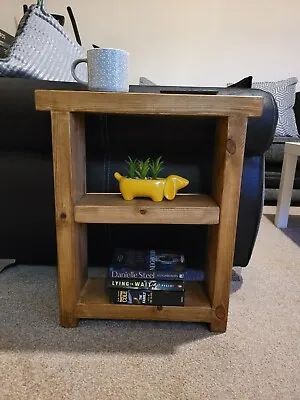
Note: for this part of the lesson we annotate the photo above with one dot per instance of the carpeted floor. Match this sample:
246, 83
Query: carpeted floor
258, 357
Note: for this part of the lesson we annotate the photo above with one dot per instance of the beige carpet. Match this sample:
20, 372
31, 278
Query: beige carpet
258, 357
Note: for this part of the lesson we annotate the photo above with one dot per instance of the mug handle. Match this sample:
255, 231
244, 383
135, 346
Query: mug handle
73, 67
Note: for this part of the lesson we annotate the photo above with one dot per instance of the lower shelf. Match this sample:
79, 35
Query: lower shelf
94, 303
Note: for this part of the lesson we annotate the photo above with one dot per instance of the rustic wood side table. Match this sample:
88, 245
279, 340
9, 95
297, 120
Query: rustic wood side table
80, 297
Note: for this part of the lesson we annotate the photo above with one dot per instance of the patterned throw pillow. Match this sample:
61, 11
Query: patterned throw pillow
284, 93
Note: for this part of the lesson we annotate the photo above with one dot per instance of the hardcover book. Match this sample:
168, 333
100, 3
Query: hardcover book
145, 284
147, 264
146, 297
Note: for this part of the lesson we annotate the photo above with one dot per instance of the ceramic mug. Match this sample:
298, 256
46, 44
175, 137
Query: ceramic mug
107, 70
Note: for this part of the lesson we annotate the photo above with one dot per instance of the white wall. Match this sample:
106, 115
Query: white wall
188, 42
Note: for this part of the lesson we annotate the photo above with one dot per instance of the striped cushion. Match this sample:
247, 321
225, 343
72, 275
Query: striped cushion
284, 94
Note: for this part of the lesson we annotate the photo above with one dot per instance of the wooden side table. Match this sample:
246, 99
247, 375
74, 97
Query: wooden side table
291, 154
80, 297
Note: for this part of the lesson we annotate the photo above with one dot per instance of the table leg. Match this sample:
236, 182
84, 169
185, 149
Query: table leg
69, 179
285, 190
226, 192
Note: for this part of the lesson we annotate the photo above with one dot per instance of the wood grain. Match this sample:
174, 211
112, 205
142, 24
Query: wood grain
231, 136
94, 303
82, 298
111, 208
69, 181
148, 103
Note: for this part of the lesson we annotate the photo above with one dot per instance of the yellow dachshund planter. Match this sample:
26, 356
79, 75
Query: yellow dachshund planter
156, 189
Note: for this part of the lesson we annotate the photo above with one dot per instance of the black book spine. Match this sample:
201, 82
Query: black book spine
145, 284
146, 297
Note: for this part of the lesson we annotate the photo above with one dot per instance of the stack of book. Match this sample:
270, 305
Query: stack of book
149, 277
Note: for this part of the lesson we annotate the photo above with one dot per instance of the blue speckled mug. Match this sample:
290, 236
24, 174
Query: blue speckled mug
107, 70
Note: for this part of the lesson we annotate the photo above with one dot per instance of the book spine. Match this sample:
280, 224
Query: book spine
145, 284
194, 275
126, 273
146, 297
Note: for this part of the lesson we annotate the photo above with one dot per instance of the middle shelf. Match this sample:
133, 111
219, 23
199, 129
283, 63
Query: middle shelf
198, 209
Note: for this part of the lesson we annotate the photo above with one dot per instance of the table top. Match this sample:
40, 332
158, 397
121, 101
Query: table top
148, 103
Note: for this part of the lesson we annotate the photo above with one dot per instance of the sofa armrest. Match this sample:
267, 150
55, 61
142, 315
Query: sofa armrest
260, 131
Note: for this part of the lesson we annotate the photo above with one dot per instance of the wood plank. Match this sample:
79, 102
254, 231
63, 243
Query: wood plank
94, 303
229, 155
148, 103
111, 208
69, 180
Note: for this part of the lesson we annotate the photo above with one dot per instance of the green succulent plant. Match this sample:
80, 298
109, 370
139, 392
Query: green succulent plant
142, 168
156, 166
131, 167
